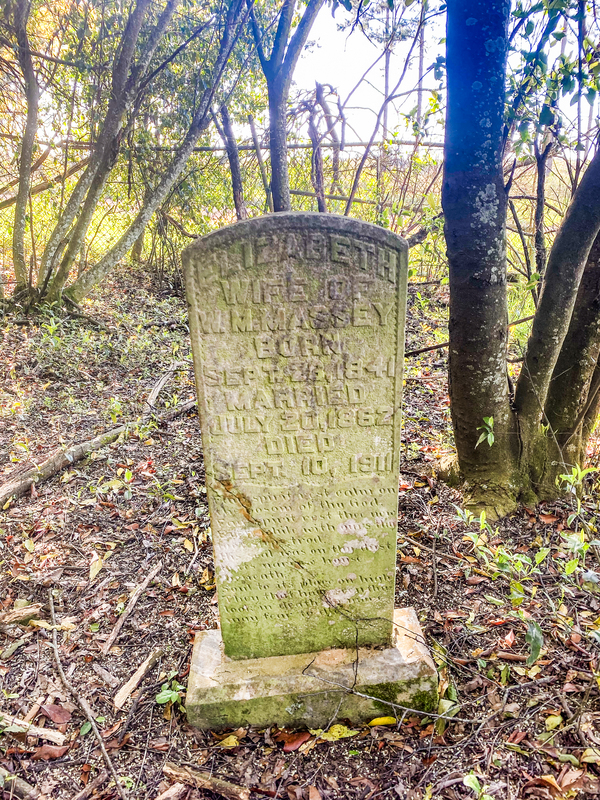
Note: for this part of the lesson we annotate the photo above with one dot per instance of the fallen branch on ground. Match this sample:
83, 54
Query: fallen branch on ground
81, 701
55, 463
174, 792
92, 785
158, 387
18, 725
202, 780
17, 787
21, 483
129, 607
21, 614
127, 688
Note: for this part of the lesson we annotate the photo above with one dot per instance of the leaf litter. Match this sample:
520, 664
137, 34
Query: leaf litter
519, 662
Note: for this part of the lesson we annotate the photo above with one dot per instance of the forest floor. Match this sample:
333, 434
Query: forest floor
510, 611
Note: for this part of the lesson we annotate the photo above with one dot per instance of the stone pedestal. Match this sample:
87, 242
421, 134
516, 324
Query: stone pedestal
311, 689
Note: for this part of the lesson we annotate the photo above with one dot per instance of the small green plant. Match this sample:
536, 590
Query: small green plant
170, 692
472, 782
516, 567
115, 408
572, 483
487, 432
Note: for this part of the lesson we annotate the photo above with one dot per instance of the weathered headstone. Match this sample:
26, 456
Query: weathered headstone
297, 325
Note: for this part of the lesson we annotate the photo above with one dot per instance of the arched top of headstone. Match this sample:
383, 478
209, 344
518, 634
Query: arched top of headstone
296, 221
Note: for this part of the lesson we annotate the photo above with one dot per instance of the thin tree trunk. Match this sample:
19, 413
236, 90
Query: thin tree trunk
233, 157
566, 263
261, 163
331, 131
474, 204
21, 15
83, 285
278, 70
280, 181
572, 379
316, 172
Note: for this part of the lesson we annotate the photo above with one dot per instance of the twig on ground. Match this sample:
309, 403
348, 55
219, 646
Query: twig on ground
158, 387
22, 726
17, 787
82, 702
137, 593
177, 412
174, 792
202, 780
127, 688
92, 786
166, 323
94, 322
106, 676
22, 614
415, 543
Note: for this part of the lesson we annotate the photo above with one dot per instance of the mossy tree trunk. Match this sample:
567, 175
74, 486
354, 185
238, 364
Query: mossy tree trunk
543, 431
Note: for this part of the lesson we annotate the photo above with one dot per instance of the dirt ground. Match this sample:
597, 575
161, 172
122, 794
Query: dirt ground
516, 643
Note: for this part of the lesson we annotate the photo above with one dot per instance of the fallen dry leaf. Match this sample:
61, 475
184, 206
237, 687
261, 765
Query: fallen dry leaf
548, 519
48, 751
313, 793
56, 713
294, 741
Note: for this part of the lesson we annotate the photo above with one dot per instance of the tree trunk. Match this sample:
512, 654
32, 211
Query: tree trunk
316, 171
83, 285
234, 165
138, 248
474, 203
562, 278
571, 394
280, 181
21, 14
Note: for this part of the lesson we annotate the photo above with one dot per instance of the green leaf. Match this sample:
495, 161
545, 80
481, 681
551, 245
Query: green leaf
517, 593
472, 782
535, 639
85, 728
164, 696
571, 566
493, 600
541, 554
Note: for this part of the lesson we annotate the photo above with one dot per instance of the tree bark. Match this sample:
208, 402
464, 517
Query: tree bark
564, 270
127, 78
474, 203
20, 16
233, 157
280, 180
83, 285
573, 377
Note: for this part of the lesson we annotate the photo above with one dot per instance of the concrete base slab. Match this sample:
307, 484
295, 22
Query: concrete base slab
310, 689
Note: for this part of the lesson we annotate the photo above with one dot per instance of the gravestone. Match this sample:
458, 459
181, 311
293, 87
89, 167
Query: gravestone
297, 327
